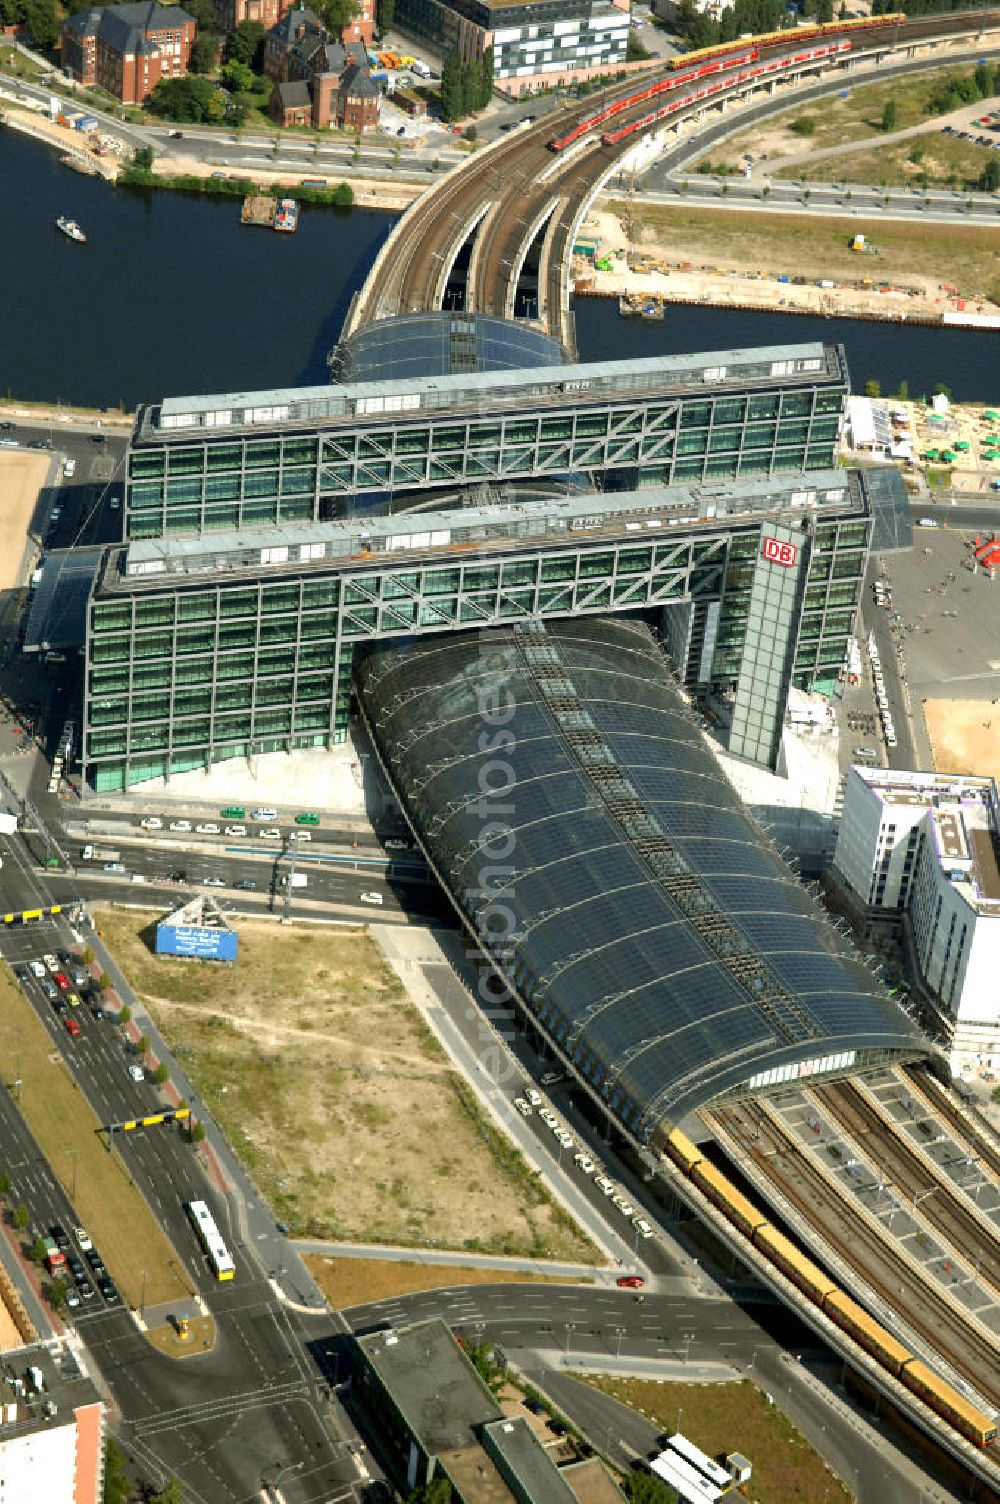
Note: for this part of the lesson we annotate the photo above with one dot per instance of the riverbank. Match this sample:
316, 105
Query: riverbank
369, 193
789, 263
50, 133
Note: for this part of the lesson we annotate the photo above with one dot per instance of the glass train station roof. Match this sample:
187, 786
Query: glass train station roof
568, 801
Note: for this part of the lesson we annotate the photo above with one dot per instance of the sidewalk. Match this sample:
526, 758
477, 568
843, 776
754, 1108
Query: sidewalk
454, 1258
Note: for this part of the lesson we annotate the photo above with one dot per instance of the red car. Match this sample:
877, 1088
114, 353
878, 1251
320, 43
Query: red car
630, 1282
72, 1026
61, 981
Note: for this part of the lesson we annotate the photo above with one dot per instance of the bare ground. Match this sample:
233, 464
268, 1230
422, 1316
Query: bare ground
336, 1095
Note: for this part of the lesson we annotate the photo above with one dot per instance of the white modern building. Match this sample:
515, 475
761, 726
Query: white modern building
922, 849
51, 1431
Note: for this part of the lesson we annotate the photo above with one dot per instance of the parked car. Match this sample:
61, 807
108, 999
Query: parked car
82, 1236
137, 1073
72, 1026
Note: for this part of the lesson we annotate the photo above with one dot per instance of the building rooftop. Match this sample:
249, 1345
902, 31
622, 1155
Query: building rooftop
650, 514
591, 1482
439, 1394
523, 1460
665, 948
964, 813
41, 1388
475, 1475
318, 405
124, 27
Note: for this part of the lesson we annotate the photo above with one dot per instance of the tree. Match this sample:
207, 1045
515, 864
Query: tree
824, 11
941, 390
21, 1216
890, 115
805, 125
40, 19
643, 1488
245, 43
162, 1073
438, 1491
452, 87
989, 178
143, 159
117, 1489
470, 133
842, 12
191, 99
904, 390
336, 14
237, 77
125, 1014
204, 53
89, 956
873, 388
198, 1133
385, 14
204, 13
172, 1494
36, 1253
58, 1293
4, 1183
142, 1045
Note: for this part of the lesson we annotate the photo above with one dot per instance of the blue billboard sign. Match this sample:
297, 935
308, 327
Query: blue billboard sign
195, 940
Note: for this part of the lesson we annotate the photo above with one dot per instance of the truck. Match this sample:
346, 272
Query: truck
55, 1259
100, 854
420, 69
294, 880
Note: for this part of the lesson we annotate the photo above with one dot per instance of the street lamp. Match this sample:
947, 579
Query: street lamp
570, 1327
289, 1467
619, 1333
74, 1155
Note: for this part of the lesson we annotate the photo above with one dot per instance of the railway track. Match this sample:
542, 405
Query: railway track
509, 176
971, 1352
948, 1212
938, 1101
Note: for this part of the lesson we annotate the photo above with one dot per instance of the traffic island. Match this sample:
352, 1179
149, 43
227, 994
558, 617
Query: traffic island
183, 1337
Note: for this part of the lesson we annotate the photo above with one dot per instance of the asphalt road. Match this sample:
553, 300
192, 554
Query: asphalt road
826, 199
549, 1330
261, 1400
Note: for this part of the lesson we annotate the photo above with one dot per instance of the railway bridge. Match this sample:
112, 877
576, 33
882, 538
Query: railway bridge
496, 234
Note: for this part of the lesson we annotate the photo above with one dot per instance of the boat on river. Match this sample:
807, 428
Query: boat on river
70, 229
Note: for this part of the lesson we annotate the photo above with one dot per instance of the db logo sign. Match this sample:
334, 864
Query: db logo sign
777, 552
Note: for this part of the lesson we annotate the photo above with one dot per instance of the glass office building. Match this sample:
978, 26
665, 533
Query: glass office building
234, 644
253, 459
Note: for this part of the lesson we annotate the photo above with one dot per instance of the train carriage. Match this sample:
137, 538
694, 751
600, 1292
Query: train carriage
865, 1330
683, 1151
782, 1252
948, 1403
741, 1212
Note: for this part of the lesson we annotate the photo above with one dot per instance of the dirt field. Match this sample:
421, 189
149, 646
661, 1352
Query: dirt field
818, 247
965, 736
723, 1418
117, 1218
331, 1088
943, 160
837, 121
357, 1282
22, 475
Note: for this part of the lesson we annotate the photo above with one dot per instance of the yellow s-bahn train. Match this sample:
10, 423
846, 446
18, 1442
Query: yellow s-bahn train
791, 36
826, 1293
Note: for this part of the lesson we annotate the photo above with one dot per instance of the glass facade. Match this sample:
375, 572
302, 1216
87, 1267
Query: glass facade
216, 468
182, 666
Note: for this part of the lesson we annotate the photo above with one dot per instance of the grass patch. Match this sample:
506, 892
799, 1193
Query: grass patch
358, 1282
723, 1418
817, 247
339, 197
942, 161
121, 1224
837, 121
15, 63
331, 1088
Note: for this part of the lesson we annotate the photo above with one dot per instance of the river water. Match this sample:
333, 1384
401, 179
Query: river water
171, 295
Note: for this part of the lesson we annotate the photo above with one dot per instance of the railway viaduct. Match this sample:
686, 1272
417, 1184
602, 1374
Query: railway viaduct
506, 220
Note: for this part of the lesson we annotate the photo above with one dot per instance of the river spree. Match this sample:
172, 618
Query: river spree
172, 295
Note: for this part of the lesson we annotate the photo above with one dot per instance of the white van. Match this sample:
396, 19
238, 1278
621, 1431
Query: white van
264, 815
372, 898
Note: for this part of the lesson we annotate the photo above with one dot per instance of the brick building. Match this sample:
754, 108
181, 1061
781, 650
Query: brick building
127, 49
304, 63
230, 13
